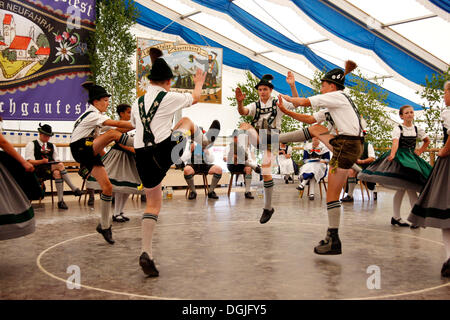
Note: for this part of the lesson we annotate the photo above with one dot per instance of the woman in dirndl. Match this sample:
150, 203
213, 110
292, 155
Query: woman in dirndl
401, 168
120, 164
433, 207
16, 191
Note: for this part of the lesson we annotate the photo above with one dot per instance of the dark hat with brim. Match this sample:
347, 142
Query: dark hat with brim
45, 129
335, 76
265, 81
96, 92
160, 71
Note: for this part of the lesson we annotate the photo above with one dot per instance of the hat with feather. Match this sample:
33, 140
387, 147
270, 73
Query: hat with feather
337, 75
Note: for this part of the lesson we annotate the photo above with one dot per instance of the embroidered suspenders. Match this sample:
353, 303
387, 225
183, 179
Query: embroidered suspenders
272, 110
147, 118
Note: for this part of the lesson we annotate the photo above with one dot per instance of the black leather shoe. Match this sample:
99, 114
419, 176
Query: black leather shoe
375, 196
192, 195
331, 245
62, 205
106, 233
399, 222
213, 132
300, 188
212, 195
266, 215
125, 218
118, 218
347, 199
248, 195
77, 192
445, 271
311, 197
148, 266
286, 181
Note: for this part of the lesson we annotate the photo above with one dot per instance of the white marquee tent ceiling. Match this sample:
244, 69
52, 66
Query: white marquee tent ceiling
417, 26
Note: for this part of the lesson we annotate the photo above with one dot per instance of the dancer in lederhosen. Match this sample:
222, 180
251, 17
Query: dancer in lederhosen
18, 185
120, 165
265, 116
316, 158
87, 146
347, 145
157, 146
401, 168
433, 207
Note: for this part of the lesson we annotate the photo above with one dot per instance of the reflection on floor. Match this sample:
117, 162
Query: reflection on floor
217, 249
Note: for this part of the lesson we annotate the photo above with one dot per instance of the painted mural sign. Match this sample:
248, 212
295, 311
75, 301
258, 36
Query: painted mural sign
183, 59
43, 58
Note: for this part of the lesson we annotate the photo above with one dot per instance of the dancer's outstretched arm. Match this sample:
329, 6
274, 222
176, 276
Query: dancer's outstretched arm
297, 101
305, 118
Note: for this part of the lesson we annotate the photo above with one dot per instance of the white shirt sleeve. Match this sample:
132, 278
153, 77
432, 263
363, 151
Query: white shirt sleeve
421, 134
251, 109
56, 154
133, 112
370, 151
445, 115
396, 132
288, 105
101, 118
320, 115
289, 150
181, 100
29, 151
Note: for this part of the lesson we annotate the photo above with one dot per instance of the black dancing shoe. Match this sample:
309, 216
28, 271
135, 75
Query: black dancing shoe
192, 195
106, 233
248, 195
347, 199
375, 196
125, 218
212, 195
148, 265
311, 197
62, 205
286, 181
266, 215
399, 222
445, 271
300, 188
413, 226
213, 132
118, 218
331, 245
77, 192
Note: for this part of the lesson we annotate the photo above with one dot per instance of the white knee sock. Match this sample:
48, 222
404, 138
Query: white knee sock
351, 186
148, 227
268, 190
59, 189
398, 197
66, 178
446, 240
248, 182
106, 209
312, 186
334, 214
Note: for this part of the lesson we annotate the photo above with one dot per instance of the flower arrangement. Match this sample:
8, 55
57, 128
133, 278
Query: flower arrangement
69, 44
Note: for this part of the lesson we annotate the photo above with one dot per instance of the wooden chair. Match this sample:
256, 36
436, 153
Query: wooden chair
51, 188
205, 183
321, 182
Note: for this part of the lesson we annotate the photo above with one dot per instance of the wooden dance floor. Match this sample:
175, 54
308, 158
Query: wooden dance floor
217, 249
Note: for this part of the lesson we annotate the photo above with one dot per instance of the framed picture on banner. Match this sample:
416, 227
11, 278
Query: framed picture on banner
183, 59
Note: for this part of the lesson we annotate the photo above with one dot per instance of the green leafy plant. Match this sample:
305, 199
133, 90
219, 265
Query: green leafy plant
433, 93
111, 50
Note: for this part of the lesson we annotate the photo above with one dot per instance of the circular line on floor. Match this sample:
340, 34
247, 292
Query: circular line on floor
38, 261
